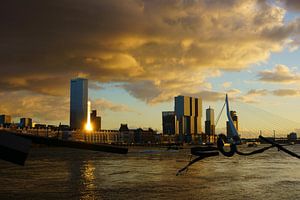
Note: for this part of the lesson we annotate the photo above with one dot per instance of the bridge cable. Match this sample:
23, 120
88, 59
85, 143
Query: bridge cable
219, 116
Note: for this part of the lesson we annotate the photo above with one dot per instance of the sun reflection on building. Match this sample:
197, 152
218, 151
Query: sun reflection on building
88, 126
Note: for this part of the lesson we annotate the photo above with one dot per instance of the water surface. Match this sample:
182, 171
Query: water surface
61, 173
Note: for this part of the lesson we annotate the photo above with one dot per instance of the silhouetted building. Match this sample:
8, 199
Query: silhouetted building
210, 125
234, 118
52, 127
292, 136
78, 103
188, 111
168, 122
126, 134
123, 127
96, 121
142, 136
40, 126
5, 120
63, 127
25, 123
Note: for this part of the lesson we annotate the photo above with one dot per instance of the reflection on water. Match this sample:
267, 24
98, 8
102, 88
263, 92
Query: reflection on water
88, 177
58, 173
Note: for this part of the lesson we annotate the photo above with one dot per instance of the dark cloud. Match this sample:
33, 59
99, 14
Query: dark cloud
293, 5
103, 105
155, 49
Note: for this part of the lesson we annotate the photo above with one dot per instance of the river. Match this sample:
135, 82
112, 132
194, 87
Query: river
150, 173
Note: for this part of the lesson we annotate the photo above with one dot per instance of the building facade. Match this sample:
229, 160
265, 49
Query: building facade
188, 112
78, 103
123, 136
103, 136
168, 122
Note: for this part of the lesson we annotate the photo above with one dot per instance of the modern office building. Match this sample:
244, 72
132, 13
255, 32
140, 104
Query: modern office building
210, 125
5, 119
96, 121
78, 103
188, 112
234, 118
168, 122
25, 123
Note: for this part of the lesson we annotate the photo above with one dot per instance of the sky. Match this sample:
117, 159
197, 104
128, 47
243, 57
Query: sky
139, 54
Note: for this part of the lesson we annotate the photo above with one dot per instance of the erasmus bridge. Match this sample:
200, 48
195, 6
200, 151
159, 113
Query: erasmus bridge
235, 140
254, 121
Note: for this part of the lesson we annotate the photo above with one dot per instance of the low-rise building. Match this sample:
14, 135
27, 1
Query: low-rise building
25, 123
103, 136
96, 121
40, 126
126, 134
292, 136
142, 136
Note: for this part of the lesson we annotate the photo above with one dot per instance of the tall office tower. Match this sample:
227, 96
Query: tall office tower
188, 112
78, 103
234, 118
210, 115
210, 125
169, 120
95, 120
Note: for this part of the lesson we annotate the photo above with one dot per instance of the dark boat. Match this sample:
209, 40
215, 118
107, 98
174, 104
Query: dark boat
13, 148
173, 147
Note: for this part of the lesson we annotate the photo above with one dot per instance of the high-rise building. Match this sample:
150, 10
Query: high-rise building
25, 122
78, 103
5, 119
96, 121
188, 111
210, 125
234, 118
168, 122
210, 115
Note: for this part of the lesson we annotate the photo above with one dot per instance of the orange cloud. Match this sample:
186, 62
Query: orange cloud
164, 47
280, 74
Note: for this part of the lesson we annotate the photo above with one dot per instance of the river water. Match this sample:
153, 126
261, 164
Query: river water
61, 173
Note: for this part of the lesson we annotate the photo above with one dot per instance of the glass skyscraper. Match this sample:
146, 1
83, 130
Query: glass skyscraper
78, 103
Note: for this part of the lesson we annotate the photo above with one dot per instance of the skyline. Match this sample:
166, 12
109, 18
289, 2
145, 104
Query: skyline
139, 55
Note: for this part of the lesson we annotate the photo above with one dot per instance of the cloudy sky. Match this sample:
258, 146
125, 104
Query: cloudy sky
139, 54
